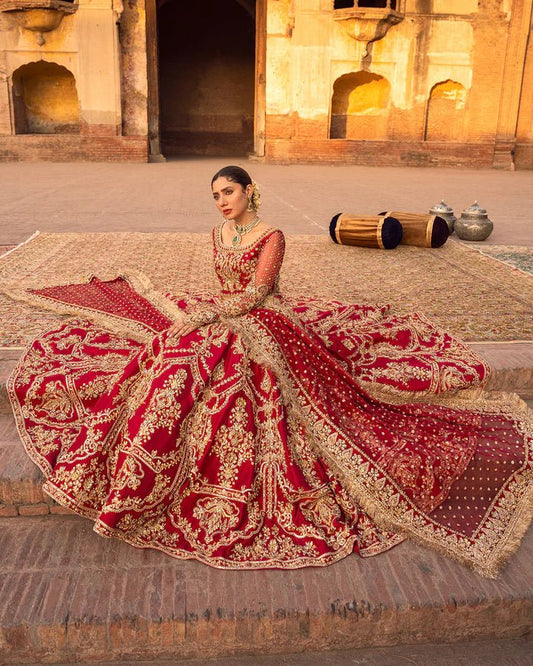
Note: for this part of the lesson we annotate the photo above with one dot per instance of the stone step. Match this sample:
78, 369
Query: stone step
511, 364
21, 480
71, 596
517, 651
8, 359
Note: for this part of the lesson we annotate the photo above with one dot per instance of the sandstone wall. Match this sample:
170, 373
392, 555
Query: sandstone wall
450, 83
440, 87
74, 79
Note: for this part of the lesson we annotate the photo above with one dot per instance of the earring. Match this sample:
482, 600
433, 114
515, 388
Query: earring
251, 206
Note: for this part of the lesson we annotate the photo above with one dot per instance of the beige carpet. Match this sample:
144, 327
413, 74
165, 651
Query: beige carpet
472, 295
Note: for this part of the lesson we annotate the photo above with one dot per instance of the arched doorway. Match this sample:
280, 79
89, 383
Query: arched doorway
207, 74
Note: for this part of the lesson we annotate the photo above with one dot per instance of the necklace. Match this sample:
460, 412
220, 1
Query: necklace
241, 230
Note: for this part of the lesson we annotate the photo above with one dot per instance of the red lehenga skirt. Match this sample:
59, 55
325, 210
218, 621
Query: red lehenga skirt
289, 436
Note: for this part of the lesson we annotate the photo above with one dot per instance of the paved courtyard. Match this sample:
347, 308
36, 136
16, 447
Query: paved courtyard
301, 199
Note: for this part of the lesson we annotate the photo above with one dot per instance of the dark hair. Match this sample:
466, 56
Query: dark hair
234, 173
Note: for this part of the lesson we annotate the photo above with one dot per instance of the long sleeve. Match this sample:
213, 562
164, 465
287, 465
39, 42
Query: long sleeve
266, 273
264, 281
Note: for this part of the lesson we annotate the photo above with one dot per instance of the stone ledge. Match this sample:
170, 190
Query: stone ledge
465, 653
73, 148
66, 6
69, 595
511, 364
310, 150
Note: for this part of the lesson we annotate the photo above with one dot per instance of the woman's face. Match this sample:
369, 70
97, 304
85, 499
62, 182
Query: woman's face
230, 199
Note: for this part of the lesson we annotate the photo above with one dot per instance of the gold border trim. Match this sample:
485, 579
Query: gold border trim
378, 231
429, 230
115, 323
485, 560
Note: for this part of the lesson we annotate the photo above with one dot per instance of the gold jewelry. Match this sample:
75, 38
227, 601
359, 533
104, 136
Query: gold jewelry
255, 198
241, 230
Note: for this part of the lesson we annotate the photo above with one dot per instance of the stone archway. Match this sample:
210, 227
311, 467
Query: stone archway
45, 100
207, 77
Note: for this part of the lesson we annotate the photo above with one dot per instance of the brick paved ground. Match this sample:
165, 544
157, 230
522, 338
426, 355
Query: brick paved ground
175, 196
68, 595
516, 652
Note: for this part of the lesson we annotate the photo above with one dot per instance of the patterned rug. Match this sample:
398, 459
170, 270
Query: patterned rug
461, 289
518, 256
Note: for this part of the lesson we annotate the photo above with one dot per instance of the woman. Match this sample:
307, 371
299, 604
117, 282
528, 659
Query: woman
237, 429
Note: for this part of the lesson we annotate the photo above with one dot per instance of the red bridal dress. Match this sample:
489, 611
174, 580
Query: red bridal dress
280, 433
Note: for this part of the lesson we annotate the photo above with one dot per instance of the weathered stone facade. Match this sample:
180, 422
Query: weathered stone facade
416, 82
71, 92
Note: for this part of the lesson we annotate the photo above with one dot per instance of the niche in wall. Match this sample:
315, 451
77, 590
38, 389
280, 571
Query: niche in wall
45, 100
360, 107
445, 118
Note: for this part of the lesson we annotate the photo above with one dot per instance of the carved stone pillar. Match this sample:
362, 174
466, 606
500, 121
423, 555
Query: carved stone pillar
5, 116
260, 78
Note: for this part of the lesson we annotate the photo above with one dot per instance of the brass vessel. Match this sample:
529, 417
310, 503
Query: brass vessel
446, 212
474, 224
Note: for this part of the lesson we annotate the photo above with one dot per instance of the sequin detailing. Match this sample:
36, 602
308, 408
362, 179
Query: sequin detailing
262, 438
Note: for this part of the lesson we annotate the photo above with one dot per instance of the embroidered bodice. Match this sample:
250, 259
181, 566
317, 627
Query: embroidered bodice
247, 274
256, 264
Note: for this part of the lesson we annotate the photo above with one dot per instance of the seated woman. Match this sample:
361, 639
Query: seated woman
247, 430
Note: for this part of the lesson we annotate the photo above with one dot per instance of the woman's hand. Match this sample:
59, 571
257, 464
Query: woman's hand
182, 326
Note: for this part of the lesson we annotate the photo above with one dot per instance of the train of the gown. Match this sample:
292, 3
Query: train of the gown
252, 442
388, 353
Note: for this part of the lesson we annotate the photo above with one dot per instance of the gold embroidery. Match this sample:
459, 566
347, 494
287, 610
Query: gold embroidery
216, 516
234, 445
230, 446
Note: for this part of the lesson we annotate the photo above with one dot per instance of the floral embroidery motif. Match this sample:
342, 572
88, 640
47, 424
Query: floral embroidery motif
234, 445
281, 432
216, 516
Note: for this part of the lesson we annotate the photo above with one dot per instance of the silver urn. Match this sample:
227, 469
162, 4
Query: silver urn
446, 212
474, 224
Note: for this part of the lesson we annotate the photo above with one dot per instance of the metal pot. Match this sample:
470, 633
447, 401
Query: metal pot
474, 224
446, 212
